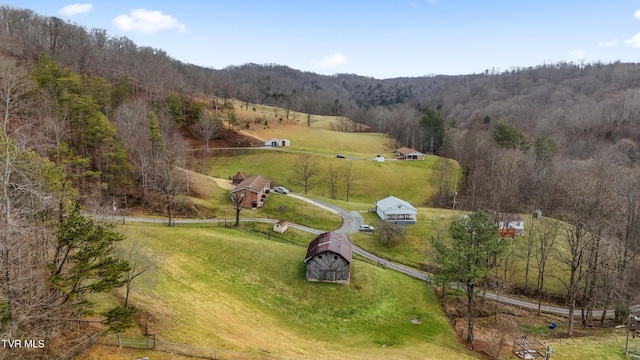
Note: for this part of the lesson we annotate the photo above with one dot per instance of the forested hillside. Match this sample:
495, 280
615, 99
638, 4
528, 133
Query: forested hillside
98, 120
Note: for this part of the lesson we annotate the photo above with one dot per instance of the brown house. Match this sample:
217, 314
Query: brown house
329, 258
405, 153
253, 191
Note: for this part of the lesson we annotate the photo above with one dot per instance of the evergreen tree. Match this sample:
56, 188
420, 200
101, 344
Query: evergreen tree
83, 261
470, 256
433, 124
510, 136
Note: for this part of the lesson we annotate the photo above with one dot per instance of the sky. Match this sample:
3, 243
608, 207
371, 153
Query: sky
376, 38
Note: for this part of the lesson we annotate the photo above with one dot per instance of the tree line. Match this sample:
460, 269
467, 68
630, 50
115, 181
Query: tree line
100, 116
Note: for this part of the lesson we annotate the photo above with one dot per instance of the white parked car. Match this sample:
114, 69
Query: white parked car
281, 190
366, 228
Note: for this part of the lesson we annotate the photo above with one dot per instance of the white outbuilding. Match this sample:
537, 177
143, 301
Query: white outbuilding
280, 227
396, 210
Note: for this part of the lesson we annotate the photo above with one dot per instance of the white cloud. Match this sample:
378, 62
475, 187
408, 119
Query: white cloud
636, 14
578, 54
332, 61
610, 43
147, 22
634, 41
75, 9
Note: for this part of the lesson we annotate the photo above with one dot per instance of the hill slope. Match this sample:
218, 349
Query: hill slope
250, 295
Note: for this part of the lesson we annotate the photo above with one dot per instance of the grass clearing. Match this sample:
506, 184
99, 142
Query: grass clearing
606, 345
365, 145
258, 116
373, 180
226, 289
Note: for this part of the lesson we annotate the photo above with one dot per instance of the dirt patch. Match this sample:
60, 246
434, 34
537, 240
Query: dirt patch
230, 139
499, 329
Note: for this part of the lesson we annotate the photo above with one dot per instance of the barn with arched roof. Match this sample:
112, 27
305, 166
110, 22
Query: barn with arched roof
329, 258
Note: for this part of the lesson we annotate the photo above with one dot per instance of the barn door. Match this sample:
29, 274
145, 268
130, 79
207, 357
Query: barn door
330, 275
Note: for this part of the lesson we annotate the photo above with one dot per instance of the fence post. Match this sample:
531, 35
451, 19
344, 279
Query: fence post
119, 343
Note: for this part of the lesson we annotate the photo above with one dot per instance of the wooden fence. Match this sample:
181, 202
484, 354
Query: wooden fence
181, 349
80, 348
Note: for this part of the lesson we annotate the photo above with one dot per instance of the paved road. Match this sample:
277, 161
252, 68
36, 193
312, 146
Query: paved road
351, 221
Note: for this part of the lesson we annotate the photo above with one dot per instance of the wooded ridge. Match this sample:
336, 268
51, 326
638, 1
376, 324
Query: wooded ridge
93, 119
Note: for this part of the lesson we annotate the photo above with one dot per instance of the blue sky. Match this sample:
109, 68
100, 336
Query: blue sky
381, 39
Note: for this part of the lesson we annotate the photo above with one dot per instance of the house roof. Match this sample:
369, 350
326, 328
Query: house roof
281, 223
407, 151
393, 205
239, 176
502, 217
329, 241
254, 184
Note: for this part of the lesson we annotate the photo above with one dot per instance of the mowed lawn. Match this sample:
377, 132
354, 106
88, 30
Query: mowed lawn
408, 180
366, 145
225, 289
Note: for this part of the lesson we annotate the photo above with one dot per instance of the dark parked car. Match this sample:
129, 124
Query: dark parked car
340, 156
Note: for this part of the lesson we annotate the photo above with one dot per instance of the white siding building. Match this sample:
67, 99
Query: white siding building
396, 210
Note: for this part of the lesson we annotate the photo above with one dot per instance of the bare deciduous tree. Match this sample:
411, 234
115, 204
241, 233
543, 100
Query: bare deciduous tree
169, 181
208, 128
305, 170
389, 231
546, 233
139, 264
237, 198
333, 175
349, 178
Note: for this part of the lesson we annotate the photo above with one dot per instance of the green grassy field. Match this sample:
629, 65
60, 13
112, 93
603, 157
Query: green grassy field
366, 145
250, 292
409, 180
251, 296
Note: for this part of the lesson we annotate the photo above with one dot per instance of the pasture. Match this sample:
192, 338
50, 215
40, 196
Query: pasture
409, 180
251, 296
251, 305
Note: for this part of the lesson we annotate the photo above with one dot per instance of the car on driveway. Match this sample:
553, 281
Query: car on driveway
281, 190
340, 156
366, 228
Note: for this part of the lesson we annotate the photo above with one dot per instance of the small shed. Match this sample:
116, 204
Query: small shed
237, 178
271, 142
285, 142
329, 258
280, 227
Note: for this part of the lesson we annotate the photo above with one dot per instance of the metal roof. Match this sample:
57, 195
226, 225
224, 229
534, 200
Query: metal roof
254, 184
330, 241
406, 151
393, 205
